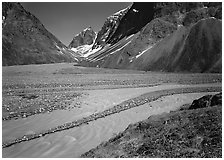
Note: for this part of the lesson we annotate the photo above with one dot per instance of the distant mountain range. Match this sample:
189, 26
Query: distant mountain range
150, 36
26, 41
169, 36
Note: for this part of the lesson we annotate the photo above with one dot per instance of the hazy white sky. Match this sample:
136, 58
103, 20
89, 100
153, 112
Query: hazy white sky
67, 19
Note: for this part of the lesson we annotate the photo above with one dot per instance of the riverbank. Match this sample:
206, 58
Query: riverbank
192, 132
132, 103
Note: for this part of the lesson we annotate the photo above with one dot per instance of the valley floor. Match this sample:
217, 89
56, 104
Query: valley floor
61, 110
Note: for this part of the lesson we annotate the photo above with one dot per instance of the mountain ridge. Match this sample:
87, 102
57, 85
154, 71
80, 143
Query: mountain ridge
149, 36
169, 19
25, 40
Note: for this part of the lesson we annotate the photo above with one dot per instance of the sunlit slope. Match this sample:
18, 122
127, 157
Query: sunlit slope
187, 49
194, 50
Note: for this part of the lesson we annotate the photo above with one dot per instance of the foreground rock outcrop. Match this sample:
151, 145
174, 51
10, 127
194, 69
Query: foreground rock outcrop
182, 134
26, 41
207, 101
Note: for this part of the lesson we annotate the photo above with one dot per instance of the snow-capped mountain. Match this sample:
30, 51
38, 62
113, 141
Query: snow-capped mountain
100, 39
124, 23
165, 36
26, 41
86, 37
121, 24
83, 41
109, 27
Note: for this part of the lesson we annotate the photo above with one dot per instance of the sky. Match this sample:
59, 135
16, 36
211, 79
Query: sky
66, 19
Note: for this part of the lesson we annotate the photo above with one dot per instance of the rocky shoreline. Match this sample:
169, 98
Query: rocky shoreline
193, 131
48, 104
131, 103
24, 105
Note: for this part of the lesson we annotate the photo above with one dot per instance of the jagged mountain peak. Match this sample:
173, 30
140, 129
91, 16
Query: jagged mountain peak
85, 37
88, 29
119, 13
109, 27
123, 23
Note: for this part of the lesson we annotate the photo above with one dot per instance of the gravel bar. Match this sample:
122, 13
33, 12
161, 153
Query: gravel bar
131, 103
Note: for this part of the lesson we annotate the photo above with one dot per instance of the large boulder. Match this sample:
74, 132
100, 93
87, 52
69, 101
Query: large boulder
207, 101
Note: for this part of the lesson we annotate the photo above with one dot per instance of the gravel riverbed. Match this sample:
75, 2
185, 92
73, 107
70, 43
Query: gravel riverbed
134, 102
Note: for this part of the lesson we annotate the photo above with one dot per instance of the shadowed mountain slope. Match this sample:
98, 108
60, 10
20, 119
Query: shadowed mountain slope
26, 41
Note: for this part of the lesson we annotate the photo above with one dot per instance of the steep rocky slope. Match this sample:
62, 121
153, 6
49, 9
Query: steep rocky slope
122, 24
110, 26
149, 36
197, 49
26, 41
136, 17
174, 37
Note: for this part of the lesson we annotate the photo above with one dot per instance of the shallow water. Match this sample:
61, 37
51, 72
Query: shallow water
93, 101
76, 141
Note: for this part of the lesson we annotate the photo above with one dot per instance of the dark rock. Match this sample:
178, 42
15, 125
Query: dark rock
109, 27
124, 23
137, 17
218, 12
207, 101
31, 96
201, 102
216, 99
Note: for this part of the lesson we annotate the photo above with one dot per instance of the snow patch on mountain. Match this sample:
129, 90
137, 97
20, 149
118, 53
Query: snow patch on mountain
82, 49
120, 12
57, 46
135, 10
3, 19
120, 48
86, 29
90, 52
141, 53
60, 52
129, 36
